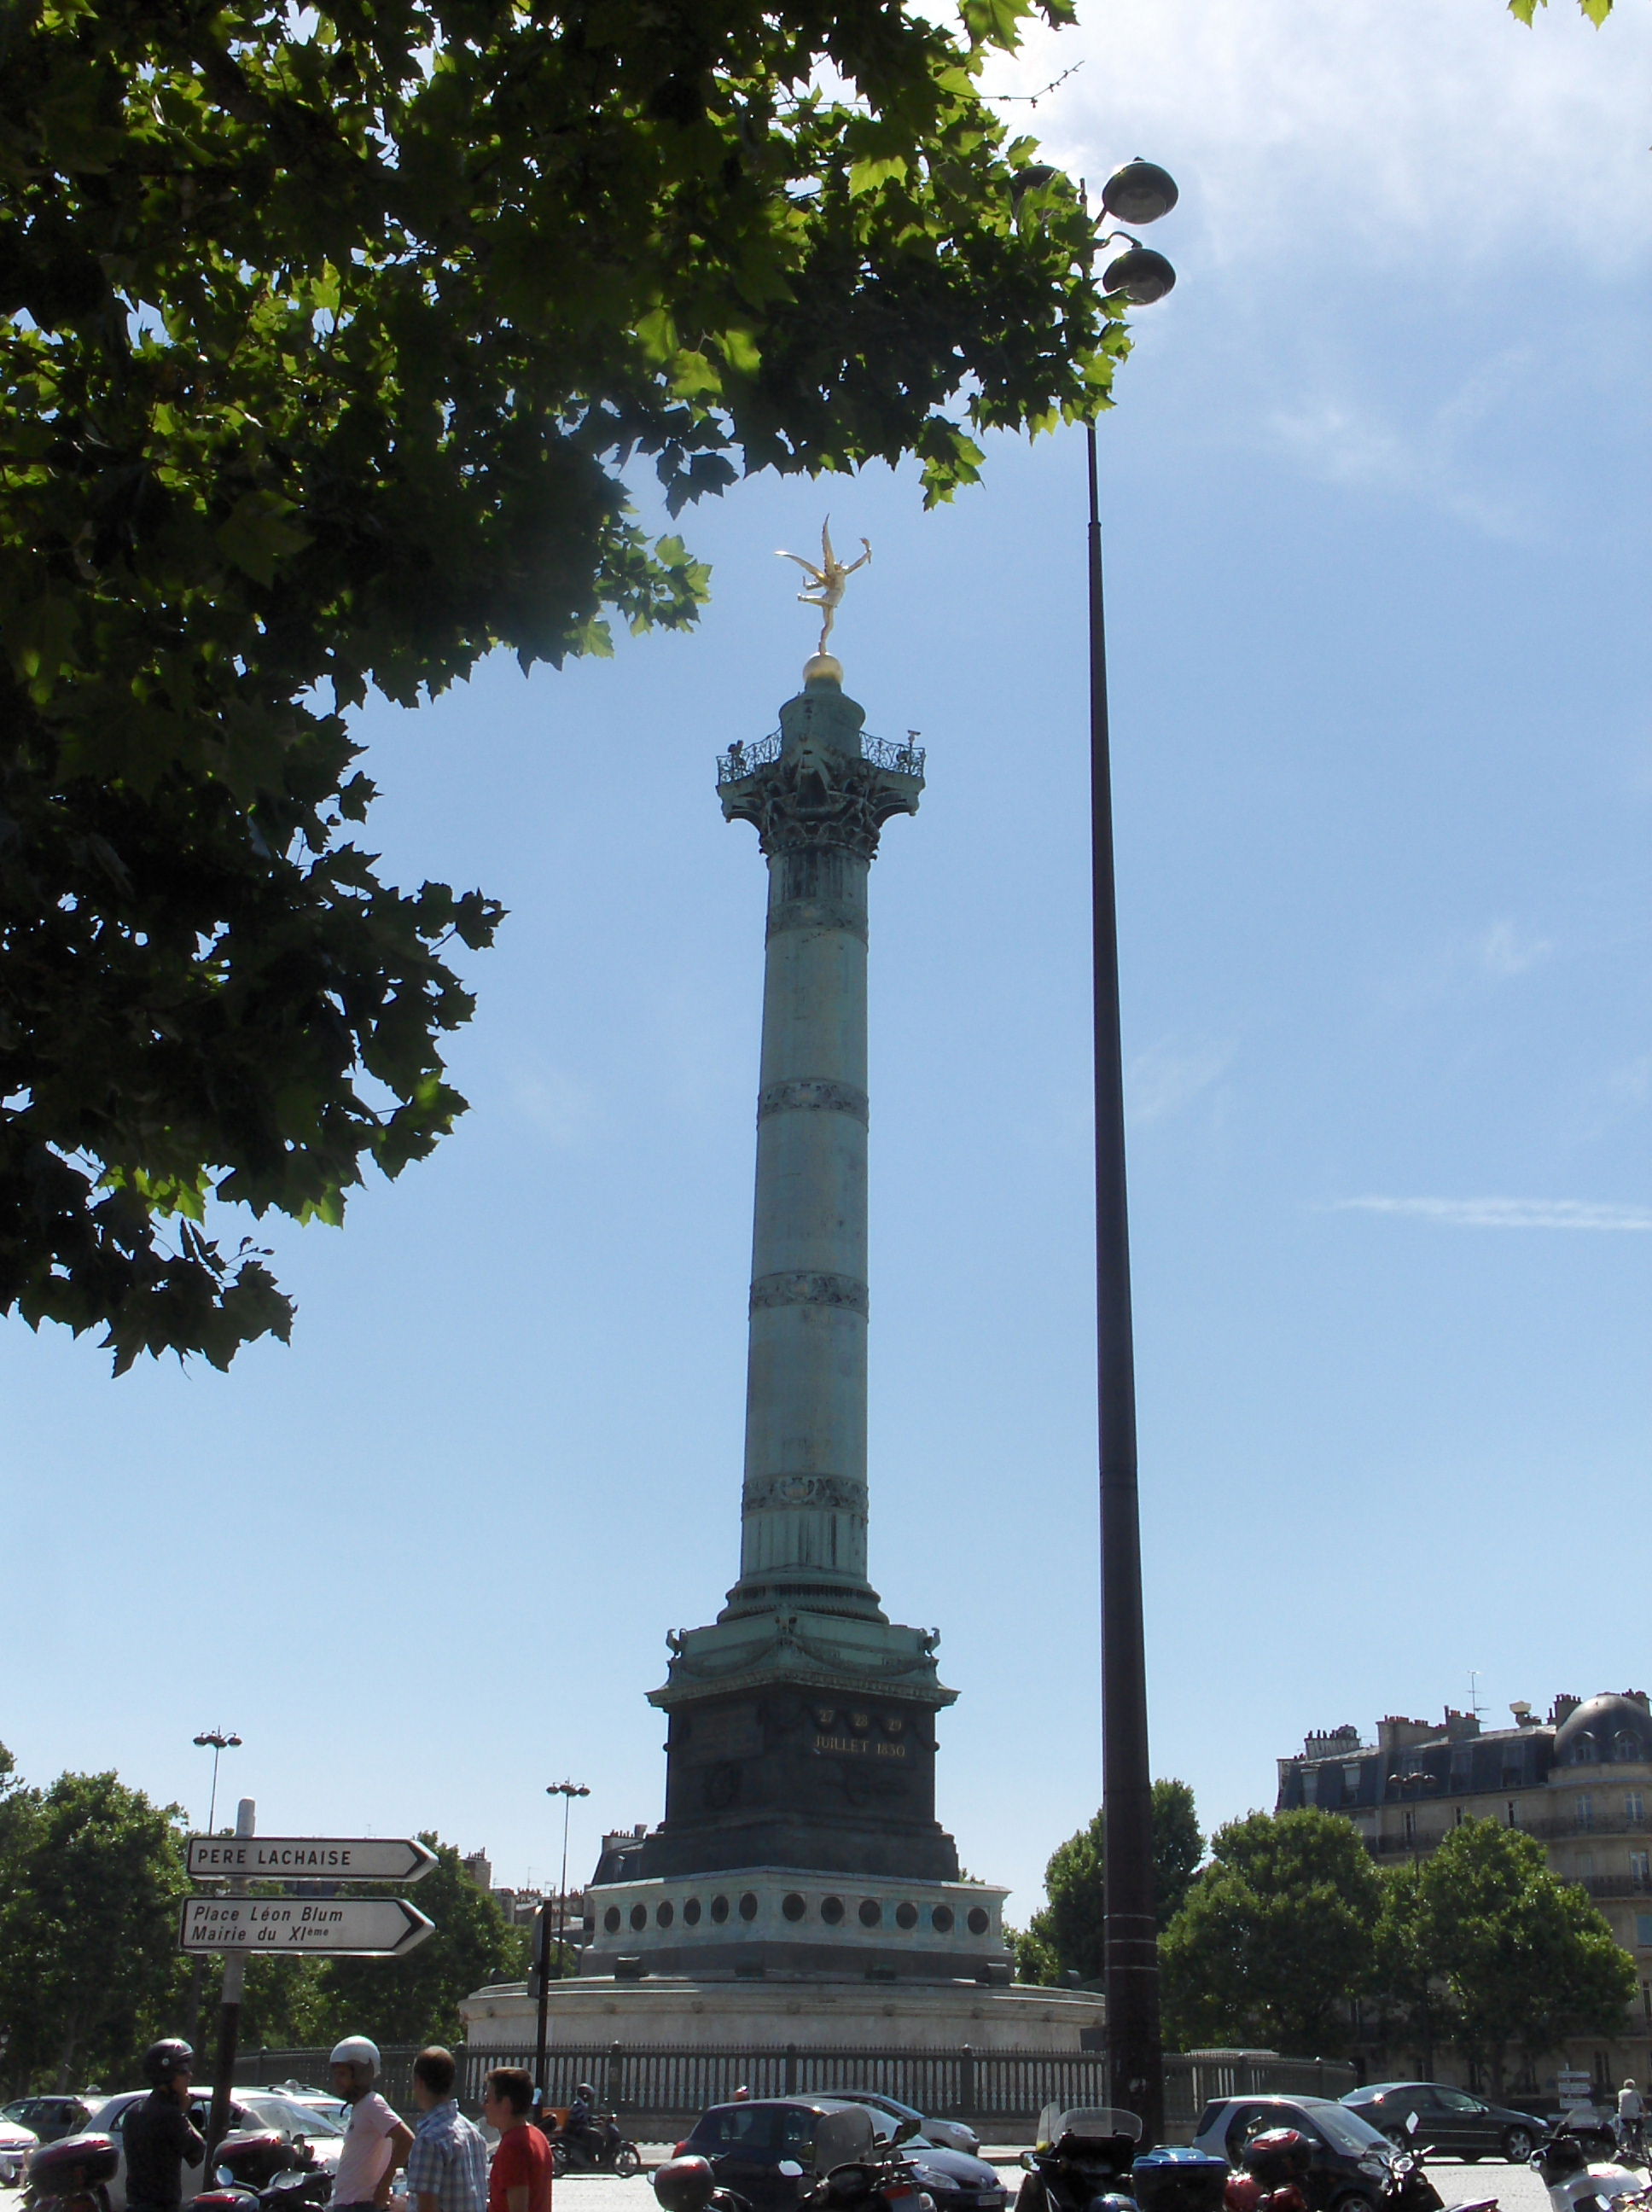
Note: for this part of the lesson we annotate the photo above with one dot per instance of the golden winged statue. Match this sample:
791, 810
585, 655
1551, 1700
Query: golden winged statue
826, 580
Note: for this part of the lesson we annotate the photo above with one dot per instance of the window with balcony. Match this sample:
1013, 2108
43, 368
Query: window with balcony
1634, 1805
1644, 1930
1640, 1868
1583, 1811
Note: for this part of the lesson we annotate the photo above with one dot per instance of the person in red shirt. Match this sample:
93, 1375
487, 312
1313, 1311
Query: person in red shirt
519, 2178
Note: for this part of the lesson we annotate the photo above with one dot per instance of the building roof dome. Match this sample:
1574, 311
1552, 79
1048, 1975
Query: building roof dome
1603, 1729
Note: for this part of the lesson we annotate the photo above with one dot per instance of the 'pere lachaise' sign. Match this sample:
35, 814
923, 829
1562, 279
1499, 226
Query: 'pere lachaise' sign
287, 1858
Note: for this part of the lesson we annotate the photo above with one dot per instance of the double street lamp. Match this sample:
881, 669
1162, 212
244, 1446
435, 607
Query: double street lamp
220, 1742
1139, 193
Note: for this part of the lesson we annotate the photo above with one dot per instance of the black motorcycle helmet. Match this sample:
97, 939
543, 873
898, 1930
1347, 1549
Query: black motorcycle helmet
164, 2059
684, 2185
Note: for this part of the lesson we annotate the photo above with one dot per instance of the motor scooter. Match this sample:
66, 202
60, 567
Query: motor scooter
71, 2175
256, 2170
1577, 2183
601, 2149
1083, 2160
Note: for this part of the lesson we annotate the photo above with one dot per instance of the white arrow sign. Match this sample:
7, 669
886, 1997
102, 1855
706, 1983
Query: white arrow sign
345, 1927
338, 1858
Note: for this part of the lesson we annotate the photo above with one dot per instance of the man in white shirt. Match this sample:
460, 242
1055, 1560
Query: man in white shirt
376, 2142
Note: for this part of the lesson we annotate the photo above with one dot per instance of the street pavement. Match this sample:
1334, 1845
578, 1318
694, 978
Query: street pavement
1516, 2188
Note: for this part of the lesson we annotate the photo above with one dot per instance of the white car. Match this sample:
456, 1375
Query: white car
943, 2134
248, 2108
17, 2142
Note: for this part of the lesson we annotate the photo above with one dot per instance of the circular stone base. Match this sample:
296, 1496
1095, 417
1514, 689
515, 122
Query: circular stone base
675, 2011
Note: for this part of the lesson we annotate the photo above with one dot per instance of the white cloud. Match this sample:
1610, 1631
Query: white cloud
561, 1110
1504, 1213
1506, 950
1168, 1076
1367, 128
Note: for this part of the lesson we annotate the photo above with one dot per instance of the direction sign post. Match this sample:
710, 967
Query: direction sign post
229, 2011
333, 1927
327, 1858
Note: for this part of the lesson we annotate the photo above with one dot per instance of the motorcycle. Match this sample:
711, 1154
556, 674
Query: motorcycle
883, 2183
1082, 2160
599, 2149
71, 2175
1576, 2183
256, 2170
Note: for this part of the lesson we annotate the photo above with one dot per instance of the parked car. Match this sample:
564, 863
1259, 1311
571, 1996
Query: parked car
946, 2135
957, 2181
16, 2141
50, 2117
1346, 2149
771, 2149
1449, 2120
248, 2108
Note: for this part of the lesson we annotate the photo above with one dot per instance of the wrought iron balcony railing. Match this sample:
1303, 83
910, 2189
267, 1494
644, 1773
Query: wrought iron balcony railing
741, 761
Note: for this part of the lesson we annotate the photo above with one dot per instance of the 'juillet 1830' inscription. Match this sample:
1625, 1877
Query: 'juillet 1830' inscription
859, 1748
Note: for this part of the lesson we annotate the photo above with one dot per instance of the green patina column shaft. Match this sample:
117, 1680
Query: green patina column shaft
818, 805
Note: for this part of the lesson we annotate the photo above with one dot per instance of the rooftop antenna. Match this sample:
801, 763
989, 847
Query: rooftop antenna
1475, 1705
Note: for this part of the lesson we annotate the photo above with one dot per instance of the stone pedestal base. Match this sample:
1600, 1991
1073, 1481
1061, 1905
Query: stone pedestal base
757, 1921
673, 2012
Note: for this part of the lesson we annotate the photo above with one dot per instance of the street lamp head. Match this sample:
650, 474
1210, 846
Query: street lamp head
1140, 274
567, 1789
1139, 192
215, 1739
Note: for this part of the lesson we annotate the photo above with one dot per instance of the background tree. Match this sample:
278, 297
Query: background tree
1416, 2007
1275, 1936
330, 342
1526, 1960
416, 1999
94, 1875
1066, 1934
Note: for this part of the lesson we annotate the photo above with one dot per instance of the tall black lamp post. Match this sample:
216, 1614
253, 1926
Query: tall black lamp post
1138, 193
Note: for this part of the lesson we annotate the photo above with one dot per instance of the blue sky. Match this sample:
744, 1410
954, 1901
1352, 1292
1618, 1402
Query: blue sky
1376, 500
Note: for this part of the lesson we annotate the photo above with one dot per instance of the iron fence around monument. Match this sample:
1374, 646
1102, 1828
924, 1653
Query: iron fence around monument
1000, 2093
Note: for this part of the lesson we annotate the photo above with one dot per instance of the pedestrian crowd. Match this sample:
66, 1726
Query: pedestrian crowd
445, 2155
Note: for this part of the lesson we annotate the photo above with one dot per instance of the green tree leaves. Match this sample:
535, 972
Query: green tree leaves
1275, 1936
326, 343
1512, 1957
1596, 11
91, 1876
1066, 1935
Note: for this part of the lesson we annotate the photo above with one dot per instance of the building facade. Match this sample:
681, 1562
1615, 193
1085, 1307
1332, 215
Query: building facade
1580, 1782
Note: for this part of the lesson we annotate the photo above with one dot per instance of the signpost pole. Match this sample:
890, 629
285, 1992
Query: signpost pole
229, 2016
542, 2026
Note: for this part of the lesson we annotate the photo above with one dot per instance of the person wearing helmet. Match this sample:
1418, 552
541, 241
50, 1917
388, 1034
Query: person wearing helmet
160, 2140
376, 2140
585, 2133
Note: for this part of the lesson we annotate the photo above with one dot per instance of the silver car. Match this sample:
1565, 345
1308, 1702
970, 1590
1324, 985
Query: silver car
946, 2135
248, 2108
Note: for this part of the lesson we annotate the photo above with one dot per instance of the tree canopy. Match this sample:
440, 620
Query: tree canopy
91, 1876
1498, 1953
1275, 1936
332, 345
1066, 1934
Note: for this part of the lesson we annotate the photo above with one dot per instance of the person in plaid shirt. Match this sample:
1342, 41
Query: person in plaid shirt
447, 2164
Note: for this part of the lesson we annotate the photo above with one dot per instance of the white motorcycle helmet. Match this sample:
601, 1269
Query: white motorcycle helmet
356, 2050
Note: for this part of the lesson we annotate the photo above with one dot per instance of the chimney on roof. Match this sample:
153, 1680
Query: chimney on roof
1563, 1706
